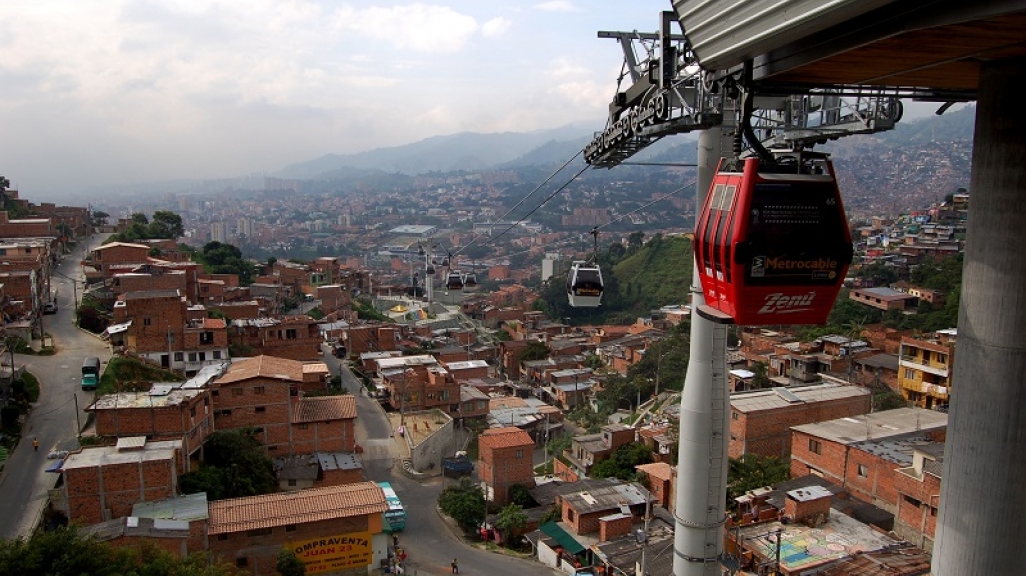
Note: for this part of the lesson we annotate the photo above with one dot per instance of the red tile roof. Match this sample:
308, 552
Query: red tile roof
283, 508
495, 438
214, 323
263, 366
324, 408
659, 470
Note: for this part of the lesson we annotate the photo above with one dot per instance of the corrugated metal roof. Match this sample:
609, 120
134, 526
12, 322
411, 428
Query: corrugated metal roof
131, 443
186, 508
877, 425
769, 399
280, 509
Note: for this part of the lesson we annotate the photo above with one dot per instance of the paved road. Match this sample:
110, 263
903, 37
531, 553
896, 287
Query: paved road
430, 542
24, 481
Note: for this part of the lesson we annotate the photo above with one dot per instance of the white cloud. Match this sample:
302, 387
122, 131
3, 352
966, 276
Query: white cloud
495, 27
558, 6
122, 90
420, 27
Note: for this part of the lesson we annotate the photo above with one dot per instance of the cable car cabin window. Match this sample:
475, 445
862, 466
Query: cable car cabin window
796, 235
707, 239
587, 282
726, 201
729, 236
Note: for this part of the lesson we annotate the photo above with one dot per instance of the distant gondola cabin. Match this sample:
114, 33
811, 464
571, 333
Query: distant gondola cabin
584, 285
772, 243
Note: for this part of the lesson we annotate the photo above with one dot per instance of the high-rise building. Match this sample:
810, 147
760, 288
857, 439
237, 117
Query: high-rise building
552, 265
218, 232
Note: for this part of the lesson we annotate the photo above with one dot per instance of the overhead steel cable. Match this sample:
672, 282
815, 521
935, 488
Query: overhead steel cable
581, 237
524, 199
533, 210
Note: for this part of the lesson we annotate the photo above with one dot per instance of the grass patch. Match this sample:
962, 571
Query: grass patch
127, 374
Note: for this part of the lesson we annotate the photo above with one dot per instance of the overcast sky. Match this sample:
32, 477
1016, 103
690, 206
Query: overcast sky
100, 92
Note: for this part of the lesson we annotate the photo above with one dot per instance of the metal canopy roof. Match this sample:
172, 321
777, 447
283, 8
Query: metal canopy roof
931, 48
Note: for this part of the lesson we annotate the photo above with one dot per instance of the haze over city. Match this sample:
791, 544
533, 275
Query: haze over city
111, 93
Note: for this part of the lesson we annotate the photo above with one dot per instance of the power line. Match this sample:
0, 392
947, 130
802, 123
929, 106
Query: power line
524, 199
535, 209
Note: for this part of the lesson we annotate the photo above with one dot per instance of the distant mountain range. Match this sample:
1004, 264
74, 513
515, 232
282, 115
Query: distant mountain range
909, 143
508, 150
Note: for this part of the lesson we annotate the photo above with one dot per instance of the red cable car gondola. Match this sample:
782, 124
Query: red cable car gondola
772, 242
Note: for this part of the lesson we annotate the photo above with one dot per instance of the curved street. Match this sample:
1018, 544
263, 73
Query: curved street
24, 481
429, 540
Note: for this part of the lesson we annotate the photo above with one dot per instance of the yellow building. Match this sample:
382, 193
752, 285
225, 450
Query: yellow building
925, 368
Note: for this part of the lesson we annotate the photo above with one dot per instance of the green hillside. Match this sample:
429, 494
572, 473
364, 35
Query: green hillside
637, 281
657, 275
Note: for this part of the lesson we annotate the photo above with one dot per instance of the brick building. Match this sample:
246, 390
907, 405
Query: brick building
334, 297
116, 253
371, 338
662, 482
589, 449
105, 482
760, 420
266, 393
160, 326
293, 337
159, 279
416, 383
861, 453
463, 370
919, 487
24, 227
505, 460
610, 510
883, 298
331, 529
324, 424
162, 413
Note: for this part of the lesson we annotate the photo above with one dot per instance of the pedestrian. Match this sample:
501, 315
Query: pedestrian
395, 540
35, 444
455, 567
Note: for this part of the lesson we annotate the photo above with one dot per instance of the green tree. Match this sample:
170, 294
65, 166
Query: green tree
520, 494
67, 551
166, 224
4, 183
750, 472
242, 466
463, 502
761, 376
288, 564
511, 519
100, 218
534, 351
622, 461
635, 241
219, 258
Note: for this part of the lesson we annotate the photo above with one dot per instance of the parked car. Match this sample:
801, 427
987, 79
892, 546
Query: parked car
50, 308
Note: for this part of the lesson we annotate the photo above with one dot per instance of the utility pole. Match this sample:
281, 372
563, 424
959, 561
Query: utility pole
642, 535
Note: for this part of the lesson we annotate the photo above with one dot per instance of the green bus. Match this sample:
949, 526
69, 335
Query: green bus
90, 373
395, 516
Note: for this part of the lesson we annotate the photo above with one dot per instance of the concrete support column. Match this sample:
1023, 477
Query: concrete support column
983, 511
694, 536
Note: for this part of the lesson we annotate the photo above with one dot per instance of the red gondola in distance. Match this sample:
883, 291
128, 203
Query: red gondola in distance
772, 242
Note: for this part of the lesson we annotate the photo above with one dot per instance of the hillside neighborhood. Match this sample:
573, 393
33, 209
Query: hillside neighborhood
853, 420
